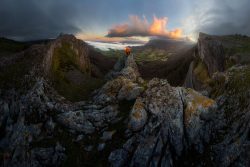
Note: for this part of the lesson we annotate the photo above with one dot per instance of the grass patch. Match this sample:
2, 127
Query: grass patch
201, 72
239, 80
235, 91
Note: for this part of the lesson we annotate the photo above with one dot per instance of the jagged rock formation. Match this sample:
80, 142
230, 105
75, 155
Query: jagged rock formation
228, 86
81, 58
209, 58
28, 107
104, 107
211, 52
168, 122
178, 127
128, 121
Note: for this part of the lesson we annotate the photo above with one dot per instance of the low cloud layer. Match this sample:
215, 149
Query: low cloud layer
141, 27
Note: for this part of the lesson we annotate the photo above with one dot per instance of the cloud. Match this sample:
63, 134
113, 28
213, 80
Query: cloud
29, 20
219, 18
141, 27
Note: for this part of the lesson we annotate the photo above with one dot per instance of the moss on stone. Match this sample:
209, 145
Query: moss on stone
201, 72
137, 115
197, 101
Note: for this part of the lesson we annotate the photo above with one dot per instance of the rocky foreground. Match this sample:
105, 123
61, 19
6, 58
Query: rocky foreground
130, 121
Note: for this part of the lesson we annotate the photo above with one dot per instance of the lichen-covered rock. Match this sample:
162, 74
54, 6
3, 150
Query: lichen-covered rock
47, 156
108, 93
125, 66
124, 85
76, 121
107, 135
138, 116
87, 121
130, 73
167, 122
198, 116
129, 91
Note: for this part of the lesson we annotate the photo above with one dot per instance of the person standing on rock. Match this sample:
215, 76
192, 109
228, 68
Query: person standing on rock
127, 50
121, 62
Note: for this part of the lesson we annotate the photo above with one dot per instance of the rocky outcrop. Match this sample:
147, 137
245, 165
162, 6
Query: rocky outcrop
103, 110
27, 120
168, 122
79, 47
211, 52
230, 89
124, 84
88, 121
209, 58
138, 116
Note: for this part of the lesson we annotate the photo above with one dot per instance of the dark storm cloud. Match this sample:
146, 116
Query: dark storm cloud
224, 17
37, 19
31, 19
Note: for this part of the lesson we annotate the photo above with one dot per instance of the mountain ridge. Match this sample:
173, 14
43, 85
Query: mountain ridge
127, 121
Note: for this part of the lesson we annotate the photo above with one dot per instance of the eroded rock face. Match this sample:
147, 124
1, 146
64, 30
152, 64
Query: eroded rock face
200, 119
211, 52
209, 58
79, 47
138, 116
169, 121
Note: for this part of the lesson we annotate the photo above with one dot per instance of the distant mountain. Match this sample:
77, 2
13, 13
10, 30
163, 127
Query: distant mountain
168, 44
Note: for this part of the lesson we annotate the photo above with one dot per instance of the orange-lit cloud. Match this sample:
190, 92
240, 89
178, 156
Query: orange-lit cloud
141, 27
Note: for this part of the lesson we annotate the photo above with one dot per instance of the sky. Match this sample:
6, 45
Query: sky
122, 20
